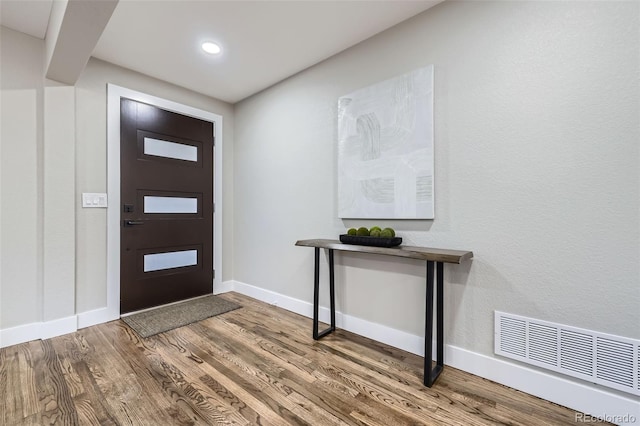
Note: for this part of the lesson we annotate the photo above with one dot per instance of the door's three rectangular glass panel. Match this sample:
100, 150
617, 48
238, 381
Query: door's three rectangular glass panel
158, 204
170, 260
167, 149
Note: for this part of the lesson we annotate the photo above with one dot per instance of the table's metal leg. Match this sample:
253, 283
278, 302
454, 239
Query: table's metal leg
428, 326
332, 291
316, 291
316, 295
440, 309
431, 373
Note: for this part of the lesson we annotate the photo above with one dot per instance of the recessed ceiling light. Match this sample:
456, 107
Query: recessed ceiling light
211, 47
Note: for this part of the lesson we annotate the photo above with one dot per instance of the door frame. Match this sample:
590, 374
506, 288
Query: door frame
114, 93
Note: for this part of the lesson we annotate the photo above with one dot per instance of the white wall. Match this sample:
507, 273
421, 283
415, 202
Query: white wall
537, 124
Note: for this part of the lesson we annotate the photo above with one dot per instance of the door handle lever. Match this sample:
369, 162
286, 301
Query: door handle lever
133, 222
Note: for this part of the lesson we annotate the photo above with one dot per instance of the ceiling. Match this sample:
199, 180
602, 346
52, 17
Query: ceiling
263, 42
29, 17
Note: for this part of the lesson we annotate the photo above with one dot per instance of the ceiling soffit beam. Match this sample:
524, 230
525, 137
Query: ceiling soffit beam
75, 26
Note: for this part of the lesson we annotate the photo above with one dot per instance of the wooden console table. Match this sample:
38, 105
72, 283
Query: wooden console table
431, 255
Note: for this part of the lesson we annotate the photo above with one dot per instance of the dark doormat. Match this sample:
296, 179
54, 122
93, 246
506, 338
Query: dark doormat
167, 318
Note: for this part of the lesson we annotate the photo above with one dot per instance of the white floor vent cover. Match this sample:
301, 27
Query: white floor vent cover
600, 358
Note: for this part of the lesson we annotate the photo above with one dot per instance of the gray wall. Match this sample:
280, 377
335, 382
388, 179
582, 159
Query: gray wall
536, 140
22, 85
536, 117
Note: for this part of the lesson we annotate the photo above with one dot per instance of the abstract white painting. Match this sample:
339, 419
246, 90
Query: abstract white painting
385, 149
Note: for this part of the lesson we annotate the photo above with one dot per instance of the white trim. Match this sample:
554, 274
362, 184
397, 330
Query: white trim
271, 297
224, 287
391, 336
396, 338
596, 352
581, 397
59, 327
20, 334
94, 317
114, 93
38, 330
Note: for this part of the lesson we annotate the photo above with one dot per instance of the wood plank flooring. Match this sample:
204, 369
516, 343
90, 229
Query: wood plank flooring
257, 365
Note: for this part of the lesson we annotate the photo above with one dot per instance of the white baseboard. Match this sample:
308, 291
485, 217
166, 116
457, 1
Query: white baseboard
289, 303
37, 330
95, 317
390, 336
223, 287
59, 327
20, 334
582, 397
396, 338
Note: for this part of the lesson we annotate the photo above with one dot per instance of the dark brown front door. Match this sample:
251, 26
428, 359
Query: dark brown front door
166, 197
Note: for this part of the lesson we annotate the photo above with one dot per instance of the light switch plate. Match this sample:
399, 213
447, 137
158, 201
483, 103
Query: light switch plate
94, 200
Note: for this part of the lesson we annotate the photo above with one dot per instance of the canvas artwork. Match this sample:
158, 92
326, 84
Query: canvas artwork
385, 149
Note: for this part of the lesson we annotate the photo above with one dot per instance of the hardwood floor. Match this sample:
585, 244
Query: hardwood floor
253, 366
